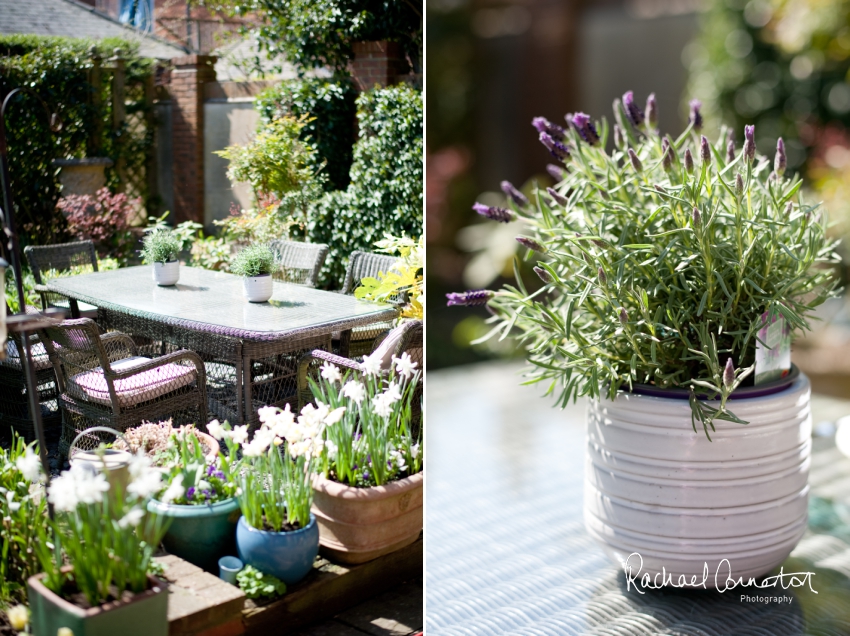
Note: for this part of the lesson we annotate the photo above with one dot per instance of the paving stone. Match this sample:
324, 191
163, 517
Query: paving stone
331, 628
397, 612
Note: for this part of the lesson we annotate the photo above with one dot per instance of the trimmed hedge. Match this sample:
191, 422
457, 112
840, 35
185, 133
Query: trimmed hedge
330, 104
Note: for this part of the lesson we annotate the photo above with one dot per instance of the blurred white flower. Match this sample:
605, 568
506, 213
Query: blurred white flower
405, 365
132, 518
332, 449
240, 434
215, 429
14, 506
145, 484
334, 416
355, 391
29, 464
392, 394
414, 451
77, 485
330, 372
175, 490
371, 365
19, 617
399, 459
382, 406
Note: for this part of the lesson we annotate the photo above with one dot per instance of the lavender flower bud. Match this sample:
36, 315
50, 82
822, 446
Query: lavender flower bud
739, 184
730, 136
666, 155
704, 151
696, 116
531, 244
730, 151
749, 143
689, 161
493, 213
557, 198
636, 164
471, 298
556, 172
619, 137
697, 218
556, 148
780, 161
603, 279
789, 209
651, 111
513, 194
585, 128
624, 316
633, 112
729, 373
543, 125
543, 275
660, 189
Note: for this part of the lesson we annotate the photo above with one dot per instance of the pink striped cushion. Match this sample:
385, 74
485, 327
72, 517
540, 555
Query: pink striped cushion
136, 389
39, 355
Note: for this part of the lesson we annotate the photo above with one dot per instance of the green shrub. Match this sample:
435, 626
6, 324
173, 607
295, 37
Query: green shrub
58, 70
329, 106
161, 246
254, 260
385, 193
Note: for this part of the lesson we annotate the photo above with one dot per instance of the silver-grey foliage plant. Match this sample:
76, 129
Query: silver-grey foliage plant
658, 260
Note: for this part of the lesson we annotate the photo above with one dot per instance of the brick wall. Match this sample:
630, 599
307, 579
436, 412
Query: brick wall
376, 63
190, 74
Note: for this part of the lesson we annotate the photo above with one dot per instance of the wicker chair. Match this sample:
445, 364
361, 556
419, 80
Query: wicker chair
300, 262
14, 395
103, 382
409, 340
364, 265
57, 258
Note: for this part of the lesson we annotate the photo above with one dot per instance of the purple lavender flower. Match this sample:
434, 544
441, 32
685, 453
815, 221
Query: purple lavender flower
543, 275
704, 151
689, 161
624, 316
471, 298
494, 213
697, 218
190, 492
749, 143
555, 148
513, 194
603, 279
696, 116
666, 155
557, 198
730, 151
780, 162
729, 373
739, 184
651, 111
636, 164
543, 125
585, 128
556, 172
634, 113
789, 209
531, 244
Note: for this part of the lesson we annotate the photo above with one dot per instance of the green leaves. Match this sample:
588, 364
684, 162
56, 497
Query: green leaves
257, 584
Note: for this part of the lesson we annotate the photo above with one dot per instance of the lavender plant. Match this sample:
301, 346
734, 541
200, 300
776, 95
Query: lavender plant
658, 260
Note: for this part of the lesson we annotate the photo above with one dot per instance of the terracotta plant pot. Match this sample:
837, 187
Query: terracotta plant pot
211, 443
360, 524
146, 614
680, 501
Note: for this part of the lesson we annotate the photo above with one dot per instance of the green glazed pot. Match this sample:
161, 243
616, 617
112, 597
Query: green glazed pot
146, 614
200, 534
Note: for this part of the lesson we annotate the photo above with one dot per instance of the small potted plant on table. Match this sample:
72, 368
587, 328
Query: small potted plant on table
368, 490
160, 248
96, 557
672, 274
255, 264
201, 503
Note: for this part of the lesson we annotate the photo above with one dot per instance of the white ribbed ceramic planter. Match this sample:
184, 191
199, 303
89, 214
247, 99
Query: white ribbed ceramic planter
655, 487
258, 289
165, 274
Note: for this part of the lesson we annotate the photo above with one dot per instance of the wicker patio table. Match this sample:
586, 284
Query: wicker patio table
250, 350
506, 547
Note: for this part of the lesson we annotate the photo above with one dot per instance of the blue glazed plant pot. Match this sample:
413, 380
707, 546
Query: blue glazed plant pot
287, 555
199, 534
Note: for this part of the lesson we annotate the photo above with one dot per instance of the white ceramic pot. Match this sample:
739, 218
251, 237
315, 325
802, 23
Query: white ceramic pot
258, 289
165, 274
656, 488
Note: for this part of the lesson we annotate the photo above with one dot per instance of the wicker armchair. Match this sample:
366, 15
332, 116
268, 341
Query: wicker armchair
300, 262
14, 396
104, 382
364, 265
409, 340
61, 257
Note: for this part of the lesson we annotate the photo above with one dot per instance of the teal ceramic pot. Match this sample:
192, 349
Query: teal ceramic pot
146, 614
200, 534
287, 555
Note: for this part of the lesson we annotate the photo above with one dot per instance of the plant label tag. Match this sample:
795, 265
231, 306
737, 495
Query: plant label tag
773, 358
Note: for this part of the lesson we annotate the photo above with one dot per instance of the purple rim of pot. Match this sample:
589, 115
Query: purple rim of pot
741, 393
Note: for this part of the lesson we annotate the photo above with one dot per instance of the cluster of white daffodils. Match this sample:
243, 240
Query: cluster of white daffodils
303, 434
29, 464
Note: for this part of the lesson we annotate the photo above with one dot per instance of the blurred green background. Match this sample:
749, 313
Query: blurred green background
783, 65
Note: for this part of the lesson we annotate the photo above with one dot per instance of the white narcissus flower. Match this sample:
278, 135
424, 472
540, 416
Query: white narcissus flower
330, 372
29, 464
405, 365
132, 518
64, 631
414, 451
90, 485
371, 365
14, 506
332, 449
240, 434
392, 394
266, 414
382, 406
354, 391
215, 429
63, 492
334, 416
175, 490
146, 485
19, 617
